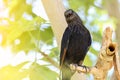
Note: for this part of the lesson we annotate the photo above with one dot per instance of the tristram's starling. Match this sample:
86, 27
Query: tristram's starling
75, 43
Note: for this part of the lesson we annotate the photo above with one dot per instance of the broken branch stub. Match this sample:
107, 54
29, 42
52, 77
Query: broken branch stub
105, 58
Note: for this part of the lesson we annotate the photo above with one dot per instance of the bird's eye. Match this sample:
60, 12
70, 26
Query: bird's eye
69, 14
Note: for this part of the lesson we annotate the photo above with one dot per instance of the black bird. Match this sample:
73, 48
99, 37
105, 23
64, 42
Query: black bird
75, 43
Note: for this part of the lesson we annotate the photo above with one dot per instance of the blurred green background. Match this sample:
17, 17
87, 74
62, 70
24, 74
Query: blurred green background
28, 48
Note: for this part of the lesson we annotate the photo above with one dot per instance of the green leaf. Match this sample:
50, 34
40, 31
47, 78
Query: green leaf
13, 72
54, 52
17, 28
47, 35
25, 44
77, 4
92, 50
97, 36
39, 72
87, 61
18, 7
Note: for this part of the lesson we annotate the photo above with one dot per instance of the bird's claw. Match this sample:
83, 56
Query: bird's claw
74, 67
84, 67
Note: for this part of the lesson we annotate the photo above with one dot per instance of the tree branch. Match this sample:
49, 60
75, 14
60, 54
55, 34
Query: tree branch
105, 58
49, 59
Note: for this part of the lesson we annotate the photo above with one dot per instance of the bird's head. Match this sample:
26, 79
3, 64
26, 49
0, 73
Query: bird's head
70, 15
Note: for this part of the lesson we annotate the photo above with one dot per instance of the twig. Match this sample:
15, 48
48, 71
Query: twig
49, 59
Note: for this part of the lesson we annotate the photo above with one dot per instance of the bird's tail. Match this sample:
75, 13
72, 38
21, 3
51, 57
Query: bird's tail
66, 72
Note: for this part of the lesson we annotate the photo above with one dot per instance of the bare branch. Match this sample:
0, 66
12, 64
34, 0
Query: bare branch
49, 59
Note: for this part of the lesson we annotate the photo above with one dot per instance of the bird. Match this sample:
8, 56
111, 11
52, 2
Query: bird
75, 43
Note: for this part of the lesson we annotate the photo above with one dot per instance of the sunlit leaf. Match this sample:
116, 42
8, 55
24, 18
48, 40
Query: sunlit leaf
13, 72
25, 43
47, 35
84, 4
97, 36
39, 72
54, 52
18, 7
87, 61
92, 50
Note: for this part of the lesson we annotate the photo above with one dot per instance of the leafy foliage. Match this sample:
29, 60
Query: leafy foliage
16, 8
38, 72
13, 72
24, 31
35, 72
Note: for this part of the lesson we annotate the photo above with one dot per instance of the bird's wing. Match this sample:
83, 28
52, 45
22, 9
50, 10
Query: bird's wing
64, 44
89, 41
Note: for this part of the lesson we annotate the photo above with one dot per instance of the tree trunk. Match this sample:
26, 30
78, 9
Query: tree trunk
55, 12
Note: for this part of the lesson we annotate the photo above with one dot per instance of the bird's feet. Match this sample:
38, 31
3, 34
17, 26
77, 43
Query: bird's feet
83, 67
79, 68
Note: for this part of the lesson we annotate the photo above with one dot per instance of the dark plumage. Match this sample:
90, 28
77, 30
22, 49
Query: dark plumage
76, 41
